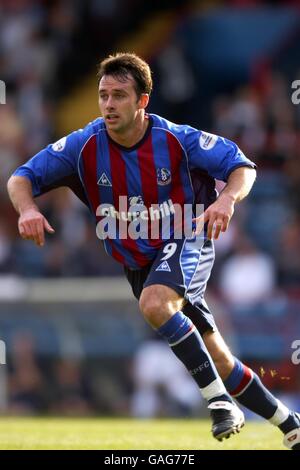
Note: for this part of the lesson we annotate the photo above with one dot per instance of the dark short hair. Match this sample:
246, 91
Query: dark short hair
123, 64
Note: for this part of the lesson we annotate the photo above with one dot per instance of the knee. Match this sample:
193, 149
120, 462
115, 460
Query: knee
154, 306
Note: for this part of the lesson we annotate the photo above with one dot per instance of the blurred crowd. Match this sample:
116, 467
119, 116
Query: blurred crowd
263, 242
39, 384
258, 258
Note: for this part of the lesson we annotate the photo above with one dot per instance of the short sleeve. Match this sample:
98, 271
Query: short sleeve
52, 165
214, 154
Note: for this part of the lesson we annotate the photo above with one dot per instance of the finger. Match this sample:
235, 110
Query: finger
206, 216
32, 232
225, 224
200, 222
27, 237
25, 231
218, 226
22, 231
31, 228
199, 228
210, 227
40, 237
199, 225
48, 227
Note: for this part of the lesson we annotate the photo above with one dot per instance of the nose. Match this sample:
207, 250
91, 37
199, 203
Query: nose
109, 103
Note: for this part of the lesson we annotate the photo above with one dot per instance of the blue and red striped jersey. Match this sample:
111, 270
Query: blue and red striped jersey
172, 164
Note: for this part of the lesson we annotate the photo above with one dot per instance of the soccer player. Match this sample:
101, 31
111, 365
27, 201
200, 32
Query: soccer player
158, 167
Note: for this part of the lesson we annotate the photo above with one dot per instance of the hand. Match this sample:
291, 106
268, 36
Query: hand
32, 225
218, 216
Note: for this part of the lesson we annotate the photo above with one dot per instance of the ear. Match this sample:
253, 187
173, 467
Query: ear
144, 100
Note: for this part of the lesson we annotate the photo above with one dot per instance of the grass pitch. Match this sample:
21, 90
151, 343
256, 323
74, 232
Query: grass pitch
113, 434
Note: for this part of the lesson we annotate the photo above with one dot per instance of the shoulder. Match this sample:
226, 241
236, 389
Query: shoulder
76, 140
184, 134
95, 126
91, 129
180, 131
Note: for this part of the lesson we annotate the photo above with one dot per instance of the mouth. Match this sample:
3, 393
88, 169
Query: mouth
111, 117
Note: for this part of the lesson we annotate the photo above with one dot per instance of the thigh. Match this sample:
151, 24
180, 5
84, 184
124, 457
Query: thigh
184, 266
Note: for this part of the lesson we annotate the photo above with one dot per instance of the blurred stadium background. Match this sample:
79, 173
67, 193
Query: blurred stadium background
76, 344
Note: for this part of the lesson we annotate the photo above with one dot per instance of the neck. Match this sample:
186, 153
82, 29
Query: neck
133, 134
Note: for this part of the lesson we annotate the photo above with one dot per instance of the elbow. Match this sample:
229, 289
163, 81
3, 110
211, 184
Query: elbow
10, 184
251, 177
16, 181
253, 174
249, 173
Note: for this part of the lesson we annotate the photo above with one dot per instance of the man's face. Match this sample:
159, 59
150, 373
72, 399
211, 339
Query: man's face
118, 103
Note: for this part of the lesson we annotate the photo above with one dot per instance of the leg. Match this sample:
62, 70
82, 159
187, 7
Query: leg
162, 309
178, 271
220, 353
246, 387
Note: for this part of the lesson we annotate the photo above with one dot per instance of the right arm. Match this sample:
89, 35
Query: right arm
46, 170
32, 224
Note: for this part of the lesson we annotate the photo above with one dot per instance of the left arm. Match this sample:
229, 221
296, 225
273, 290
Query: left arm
223, 160
219, 214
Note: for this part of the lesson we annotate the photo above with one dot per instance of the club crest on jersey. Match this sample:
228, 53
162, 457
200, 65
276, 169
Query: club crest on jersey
104, 180
163, 176
136, 201
207, 141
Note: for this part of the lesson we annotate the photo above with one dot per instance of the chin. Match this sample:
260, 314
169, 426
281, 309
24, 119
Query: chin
114, 127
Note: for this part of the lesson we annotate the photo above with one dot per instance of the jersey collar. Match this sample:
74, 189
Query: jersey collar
140, 142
